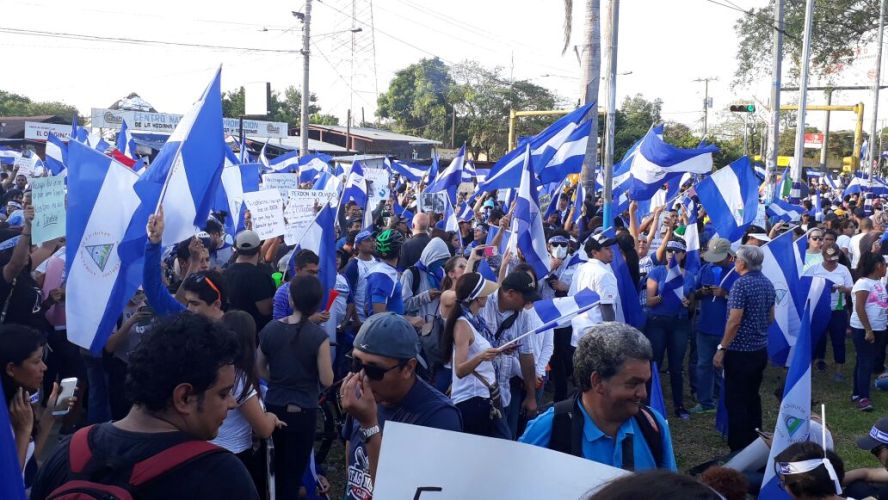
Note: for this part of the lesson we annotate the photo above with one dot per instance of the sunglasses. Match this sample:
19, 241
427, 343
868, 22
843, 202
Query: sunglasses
373, 372
558, 244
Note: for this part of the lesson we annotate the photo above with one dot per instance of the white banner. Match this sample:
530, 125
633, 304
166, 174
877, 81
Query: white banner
300, 211
469, 466
37, 131
282, 182
48, 194
267, 212
166, 123
377, 186
26, 166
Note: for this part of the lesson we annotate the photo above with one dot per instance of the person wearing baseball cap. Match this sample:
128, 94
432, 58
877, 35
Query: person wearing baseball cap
840, 276
871, 482
252, 289
381, 387
597, 275
709, 325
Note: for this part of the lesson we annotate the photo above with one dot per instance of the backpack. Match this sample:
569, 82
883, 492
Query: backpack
414, 285
430, 341
95, 476
567, 433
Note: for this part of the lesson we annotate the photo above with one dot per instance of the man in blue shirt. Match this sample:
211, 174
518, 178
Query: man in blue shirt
709, 325
612, 365
743, 351
383, 292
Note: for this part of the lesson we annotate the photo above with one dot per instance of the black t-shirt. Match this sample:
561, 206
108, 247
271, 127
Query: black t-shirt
216, 475
292, 354
412, 249
25, 301
248, 284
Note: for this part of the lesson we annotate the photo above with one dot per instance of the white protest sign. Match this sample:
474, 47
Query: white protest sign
377, 185
462, 468
48, 195
761, 217
300, 211
267, 212
433, 202
26, 166
281, 182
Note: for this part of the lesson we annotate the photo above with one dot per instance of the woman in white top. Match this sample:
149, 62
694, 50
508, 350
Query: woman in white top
453, 269
473, 390
868, 324
249, 417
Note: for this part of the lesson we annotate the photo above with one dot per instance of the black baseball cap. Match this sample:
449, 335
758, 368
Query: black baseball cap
878, 436
521, 282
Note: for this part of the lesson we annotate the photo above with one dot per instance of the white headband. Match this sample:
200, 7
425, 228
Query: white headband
879, 435
477, 290
789, 468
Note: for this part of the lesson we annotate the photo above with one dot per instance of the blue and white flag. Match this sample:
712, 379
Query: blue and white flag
860, 183
579, 198
235, 181
568, 158
325, 181
672, 288
310, 166
101, 204
785, 211
793, 421
355, 187
125, 142
432, 174
527, 221
817, 210
320, 238
262, 158
692, 239
8, 156
559, 311
469, 172
828, 181
657, 401
730, 197
656, 162
407, 171
451, 177
633, 313
189, 167
285, 163
56, 155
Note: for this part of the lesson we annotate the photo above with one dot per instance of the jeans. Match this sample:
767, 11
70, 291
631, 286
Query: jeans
670, 334
98, 404
561, 362
838, 324
743, 379
292, 449
706, 347
476, 419
866, 359
692, 361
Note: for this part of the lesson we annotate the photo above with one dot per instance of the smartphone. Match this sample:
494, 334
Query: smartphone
66, 392
489, 251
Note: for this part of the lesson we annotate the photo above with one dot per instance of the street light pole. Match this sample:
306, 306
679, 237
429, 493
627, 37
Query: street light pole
776, 74
872, 158
306, 42
796, 176
613, 22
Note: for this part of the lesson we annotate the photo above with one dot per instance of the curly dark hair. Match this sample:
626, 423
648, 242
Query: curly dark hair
180, 349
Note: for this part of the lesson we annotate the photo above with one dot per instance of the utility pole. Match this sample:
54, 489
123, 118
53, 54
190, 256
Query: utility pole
776, 76
590, 62
306, 42
872, 158
613, 25
796, 176
706, 103
824, 148
453, 127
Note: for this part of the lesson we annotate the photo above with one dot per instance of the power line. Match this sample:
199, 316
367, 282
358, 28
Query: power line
750, 13
135, 41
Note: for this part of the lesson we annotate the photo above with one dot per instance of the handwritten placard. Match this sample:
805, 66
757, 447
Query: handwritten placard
300, 211
48, 194
281, 182
267, 211
25, 165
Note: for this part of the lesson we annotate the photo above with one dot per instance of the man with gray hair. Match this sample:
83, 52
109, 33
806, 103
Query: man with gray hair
608, 422
743, 351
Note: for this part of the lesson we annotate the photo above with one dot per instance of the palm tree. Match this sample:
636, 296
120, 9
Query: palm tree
590, 62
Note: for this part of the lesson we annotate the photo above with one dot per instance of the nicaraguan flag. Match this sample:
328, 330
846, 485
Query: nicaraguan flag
657, 401
451, 223
285, 163
125, 142
101, 204
633, 313
672, 288
310, 166
432, 174
231, 189
407, 171
579, 198
262, 158
189, 167
730, 197
527, 221
860, 183
11, 485
828, 181
692, 239
320, 238
56, 154
817, 210
568, 158
8, 156
793, 421
785, 211
355, 188
558, 312
656, 162
469, 172
451, 177
325, 181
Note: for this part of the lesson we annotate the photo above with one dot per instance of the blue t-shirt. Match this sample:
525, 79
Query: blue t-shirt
601, 448
383, 287
671, 304
423, 405
280, 305
713, 310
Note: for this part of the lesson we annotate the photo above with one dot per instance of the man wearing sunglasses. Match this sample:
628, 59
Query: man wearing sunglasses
383, 386
872, 482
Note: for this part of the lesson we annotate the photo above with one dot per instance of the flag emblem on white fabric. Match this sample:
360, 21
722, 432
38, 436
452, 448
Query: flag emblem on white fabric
99, 254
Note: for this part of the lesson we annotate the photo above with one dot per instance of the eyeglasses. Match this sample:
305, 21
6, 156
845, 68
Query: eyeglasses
559, 244
373, 372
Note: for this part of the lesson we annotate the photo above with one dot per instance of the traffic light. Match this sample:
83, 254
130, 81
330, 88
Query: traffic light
743, 108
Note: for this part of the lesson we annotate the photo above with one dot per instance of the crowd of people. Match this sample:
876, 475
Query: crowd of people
230, 341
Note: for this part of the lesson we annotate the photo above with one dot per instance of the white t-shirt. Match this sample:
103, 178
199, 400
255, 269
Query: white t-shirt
468, 387
843, 241
876, 304
236, 433
598, 277
854, 249
840, 276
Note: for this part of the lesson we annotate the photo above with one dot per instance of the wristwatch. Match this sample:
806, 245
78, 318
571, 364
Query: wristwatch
720, 348
369, 432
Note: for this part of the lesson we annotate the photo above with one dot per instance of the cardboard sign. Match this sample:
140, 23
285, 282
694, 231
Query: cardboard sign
26, 166
267, 211
300, 211
281, 182
48, 195
462, 468
377, 185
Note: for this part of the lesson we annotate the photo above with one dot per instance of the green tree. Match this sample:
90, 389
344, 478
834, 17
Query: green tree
19, 105
840, 28
416, 101
634, 118
323, 119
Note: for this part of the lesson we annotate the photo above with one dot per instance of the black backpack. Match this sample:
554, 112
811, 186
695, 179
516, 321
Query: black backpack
414, 286
567, 433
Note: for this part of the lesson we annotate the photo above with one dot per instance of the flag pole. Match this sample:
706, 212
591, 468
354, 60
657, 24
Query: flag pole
613, 22
870, 157
799, 153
